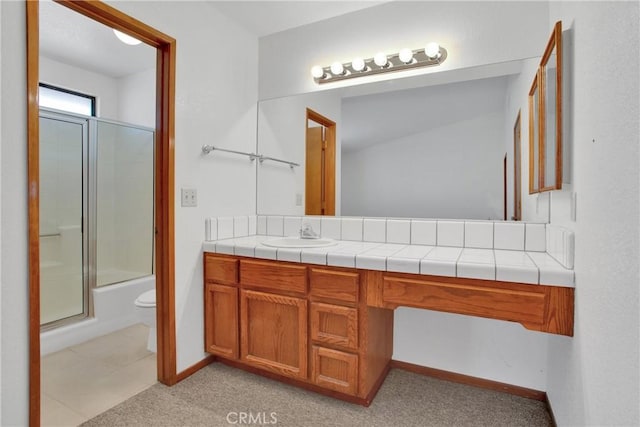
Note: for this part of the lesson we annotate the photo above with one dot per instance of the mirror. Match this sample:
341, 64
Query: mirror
546, 113
429, 146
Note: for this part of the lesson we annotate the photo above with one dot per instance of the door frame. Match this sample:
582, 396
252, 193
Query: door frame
504, 187
329, 178
517, 169
164, 184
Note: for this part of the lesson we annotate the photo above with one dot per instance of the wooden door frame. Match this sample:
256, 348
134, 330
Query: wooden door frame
517, 161
164, 184
504, 179
330, 153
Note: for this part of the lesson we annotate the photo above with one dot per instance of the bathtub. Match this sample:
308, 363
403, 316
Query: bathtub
114, 309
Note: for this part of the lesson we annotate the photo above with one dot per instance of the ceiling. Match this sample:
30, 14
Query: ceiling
74, 39
263, 18
379, 118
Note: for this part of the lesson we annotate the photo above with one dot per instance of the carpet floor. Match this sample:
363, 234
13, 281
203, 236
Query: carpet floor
218, 395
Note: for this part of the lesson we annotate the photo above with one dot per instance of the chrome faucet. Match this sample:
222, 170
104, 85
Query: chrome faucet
306, 232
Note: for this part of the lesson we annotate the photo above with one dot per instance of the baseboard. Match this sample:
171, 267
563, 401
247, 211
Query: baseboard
194, 368
550, 409
472, 381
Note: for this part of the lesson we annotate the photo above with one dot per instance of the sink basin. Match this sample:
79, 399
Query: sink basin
296, 242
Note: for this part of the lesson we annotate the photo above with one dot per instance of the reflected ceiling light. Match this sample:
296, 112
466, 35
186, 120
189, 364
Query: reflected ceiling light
432, 54
125, 38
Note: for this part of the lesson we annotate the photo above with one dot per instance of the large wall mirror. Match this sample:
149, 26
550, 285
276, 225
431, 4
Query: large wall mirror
545, 116
429, 146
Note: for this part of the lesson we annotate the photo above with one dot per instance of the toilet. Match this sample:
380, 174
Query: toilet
146, 312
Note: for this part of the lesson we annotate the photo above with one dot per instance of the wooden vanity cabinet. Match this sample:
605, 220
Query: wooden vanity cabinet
308, 324
330, 329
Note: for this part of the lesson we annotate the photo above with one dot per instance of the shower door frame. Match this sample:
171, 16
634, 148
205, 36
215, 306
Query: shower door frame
164, 183
89, 224
87, 304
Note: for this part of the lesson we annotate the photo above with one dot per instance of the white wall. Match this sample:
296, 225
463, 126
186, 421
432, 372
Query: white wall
442, 157
15, 395
216, 96
104, 88
1, 281
282, 130
137, 98
474, 33
593, 377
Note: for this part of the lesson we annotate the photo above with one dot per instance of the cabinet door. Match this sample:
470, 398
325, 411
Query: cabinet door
273, 331
221, 320
335, 370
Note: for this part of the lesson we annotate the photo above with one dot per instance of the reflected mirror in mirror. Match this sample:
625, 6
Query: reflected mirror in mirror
534, 137
430, 146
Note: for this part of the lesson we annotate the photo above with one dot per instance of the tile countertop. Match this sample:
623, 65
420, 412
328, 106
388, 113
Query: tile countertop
488, 264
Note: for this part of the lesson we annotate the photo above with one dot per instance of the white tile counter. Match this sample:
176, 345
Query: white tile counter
476, 263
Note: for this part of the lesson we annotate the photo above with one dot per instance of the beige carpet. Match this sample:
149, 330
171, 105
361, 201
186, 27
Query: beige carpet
221, 396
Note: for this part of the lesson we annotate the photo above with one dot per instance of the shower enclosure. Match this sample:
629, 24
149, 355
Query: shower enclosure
96, 210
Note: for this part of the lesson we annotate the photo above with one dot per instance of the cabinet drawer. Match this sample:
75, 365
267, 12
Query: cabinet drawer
220, 269
338, 285
274, 276
335, 370
526, 304
333, 324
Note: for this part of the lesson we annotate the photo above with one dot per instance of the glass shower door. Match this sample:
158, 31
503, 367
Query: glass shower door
63, 283
124, 205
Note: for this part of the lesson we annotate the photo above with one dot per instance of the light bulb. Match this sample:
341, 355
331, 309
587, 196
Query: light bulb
405, 55
380, 59
317, 72
127, 39
358, 64
337, 69
432, 50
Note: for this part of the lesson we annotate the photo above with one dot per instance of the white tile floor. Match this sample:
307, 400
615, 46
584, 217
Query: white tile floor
85, 380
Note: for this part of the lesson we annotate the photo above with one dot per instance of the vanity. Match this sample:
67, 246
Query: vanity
322, 317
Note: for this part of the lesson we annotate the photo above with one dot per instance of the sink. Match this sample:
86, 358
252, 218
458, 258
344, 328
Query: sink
296, 242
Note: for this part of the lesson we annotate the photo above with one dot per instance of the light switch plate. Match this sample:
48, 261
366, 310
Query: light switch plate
189, 197
298, 199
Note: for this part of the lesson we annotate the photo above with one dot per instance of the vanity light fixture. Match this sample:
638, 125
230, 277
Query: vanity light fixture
432, 54
125, 38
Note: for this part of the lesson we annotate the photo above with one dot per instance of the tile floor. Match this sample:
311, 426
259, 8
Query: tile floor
85, 380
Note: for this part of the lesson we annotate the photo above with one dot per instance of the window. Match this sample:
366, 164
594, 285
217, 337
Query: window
66, 100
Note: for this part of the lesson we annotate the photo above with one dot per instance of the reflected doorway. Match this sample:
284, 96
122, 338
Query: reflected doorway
517, 186
320, 165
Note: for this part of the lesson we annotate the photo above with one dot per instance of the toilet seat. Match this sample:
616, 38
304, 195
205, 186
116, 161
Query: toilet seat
147, 299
